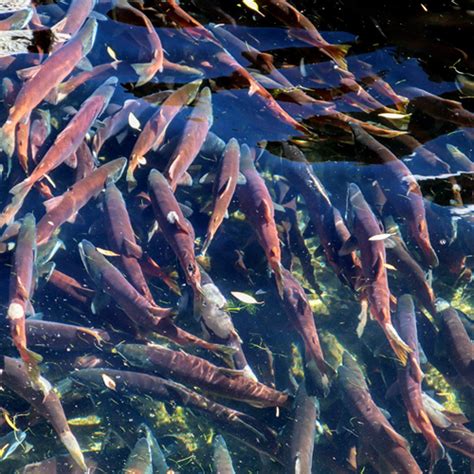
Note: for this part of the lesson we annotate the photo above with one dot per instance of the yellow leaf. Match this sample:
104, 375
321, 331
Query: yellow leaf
378, 237
108, 382
107, 253
245, 298
252, 4
133, 121
112, 53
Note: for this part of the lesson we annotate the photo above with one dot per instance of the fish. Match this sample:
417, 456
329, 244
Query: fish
225, 183
65, 88
410, 378
22, 284
201, 373
210, 310
326, 219
303, 432
239, 72
457, 437
140, 459
396, 180
122, 239
65, 145
141, 311
70, 286
115, 124
146, 315
146, 71
257, 205
17, 21
191, 140
127, 383
153, 133
301, 28
374, 271
372, 425
221, 458
85, 160
46, 76
439, 108
410, 271
66, 206
14, 375
56, 336
39, 131
176, 229
459, 346
297, 308
77, 14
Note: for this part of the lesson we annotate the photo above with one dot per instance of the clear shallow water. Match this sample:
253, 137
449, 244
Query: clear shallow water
106, 416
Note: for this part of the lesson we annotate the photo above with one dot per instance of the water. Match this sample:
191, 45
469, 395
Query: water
126, 421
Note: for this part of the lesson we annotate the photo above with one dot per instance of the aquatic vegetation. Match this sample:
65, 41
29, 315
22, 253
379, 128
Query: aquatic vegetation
232, 243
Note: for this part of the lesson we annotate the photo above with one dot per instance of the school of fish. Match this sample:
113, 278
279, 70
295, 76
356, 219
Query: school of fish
227, 250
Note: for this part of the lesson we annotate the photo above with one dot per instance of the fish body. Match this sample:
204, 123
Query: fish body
221, 457
396, 180
399, 256
22, 283
65, 207
225, 183
49, 74
140, 459
76, 16
298, 310
141, 311
192, 139
372, 425
70, 286
236, 422
201, 373
257, 205
14, 375
303, 432
64, 337
116, 123
176, 229
65, 145
300, 27
122, 239
410, 378
373, 260
216, 322
153, 133
459, 345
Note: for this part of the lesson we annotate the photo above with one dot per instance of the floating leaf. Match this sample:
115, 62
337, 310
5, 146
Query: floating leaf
112, 53
394, 116
245, 298
378, 237
133, 121
108, 382
388, 266
252, 4
107, 253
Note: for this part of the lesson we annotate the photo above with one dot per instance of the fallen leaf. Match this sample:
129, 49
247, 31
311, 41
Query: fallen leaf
108, 382
245, 298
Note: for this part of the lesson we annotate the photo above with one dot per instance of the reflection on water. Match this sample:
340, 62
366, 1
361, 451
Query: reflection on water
231, 243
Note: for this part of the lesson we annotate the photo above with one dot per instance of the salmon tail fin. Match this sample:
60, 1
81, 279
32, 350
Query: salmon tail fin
7, 138
131, 180
206, 244
400, 348
70, 443
337, 52
436, 452
20, 191
143, 72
